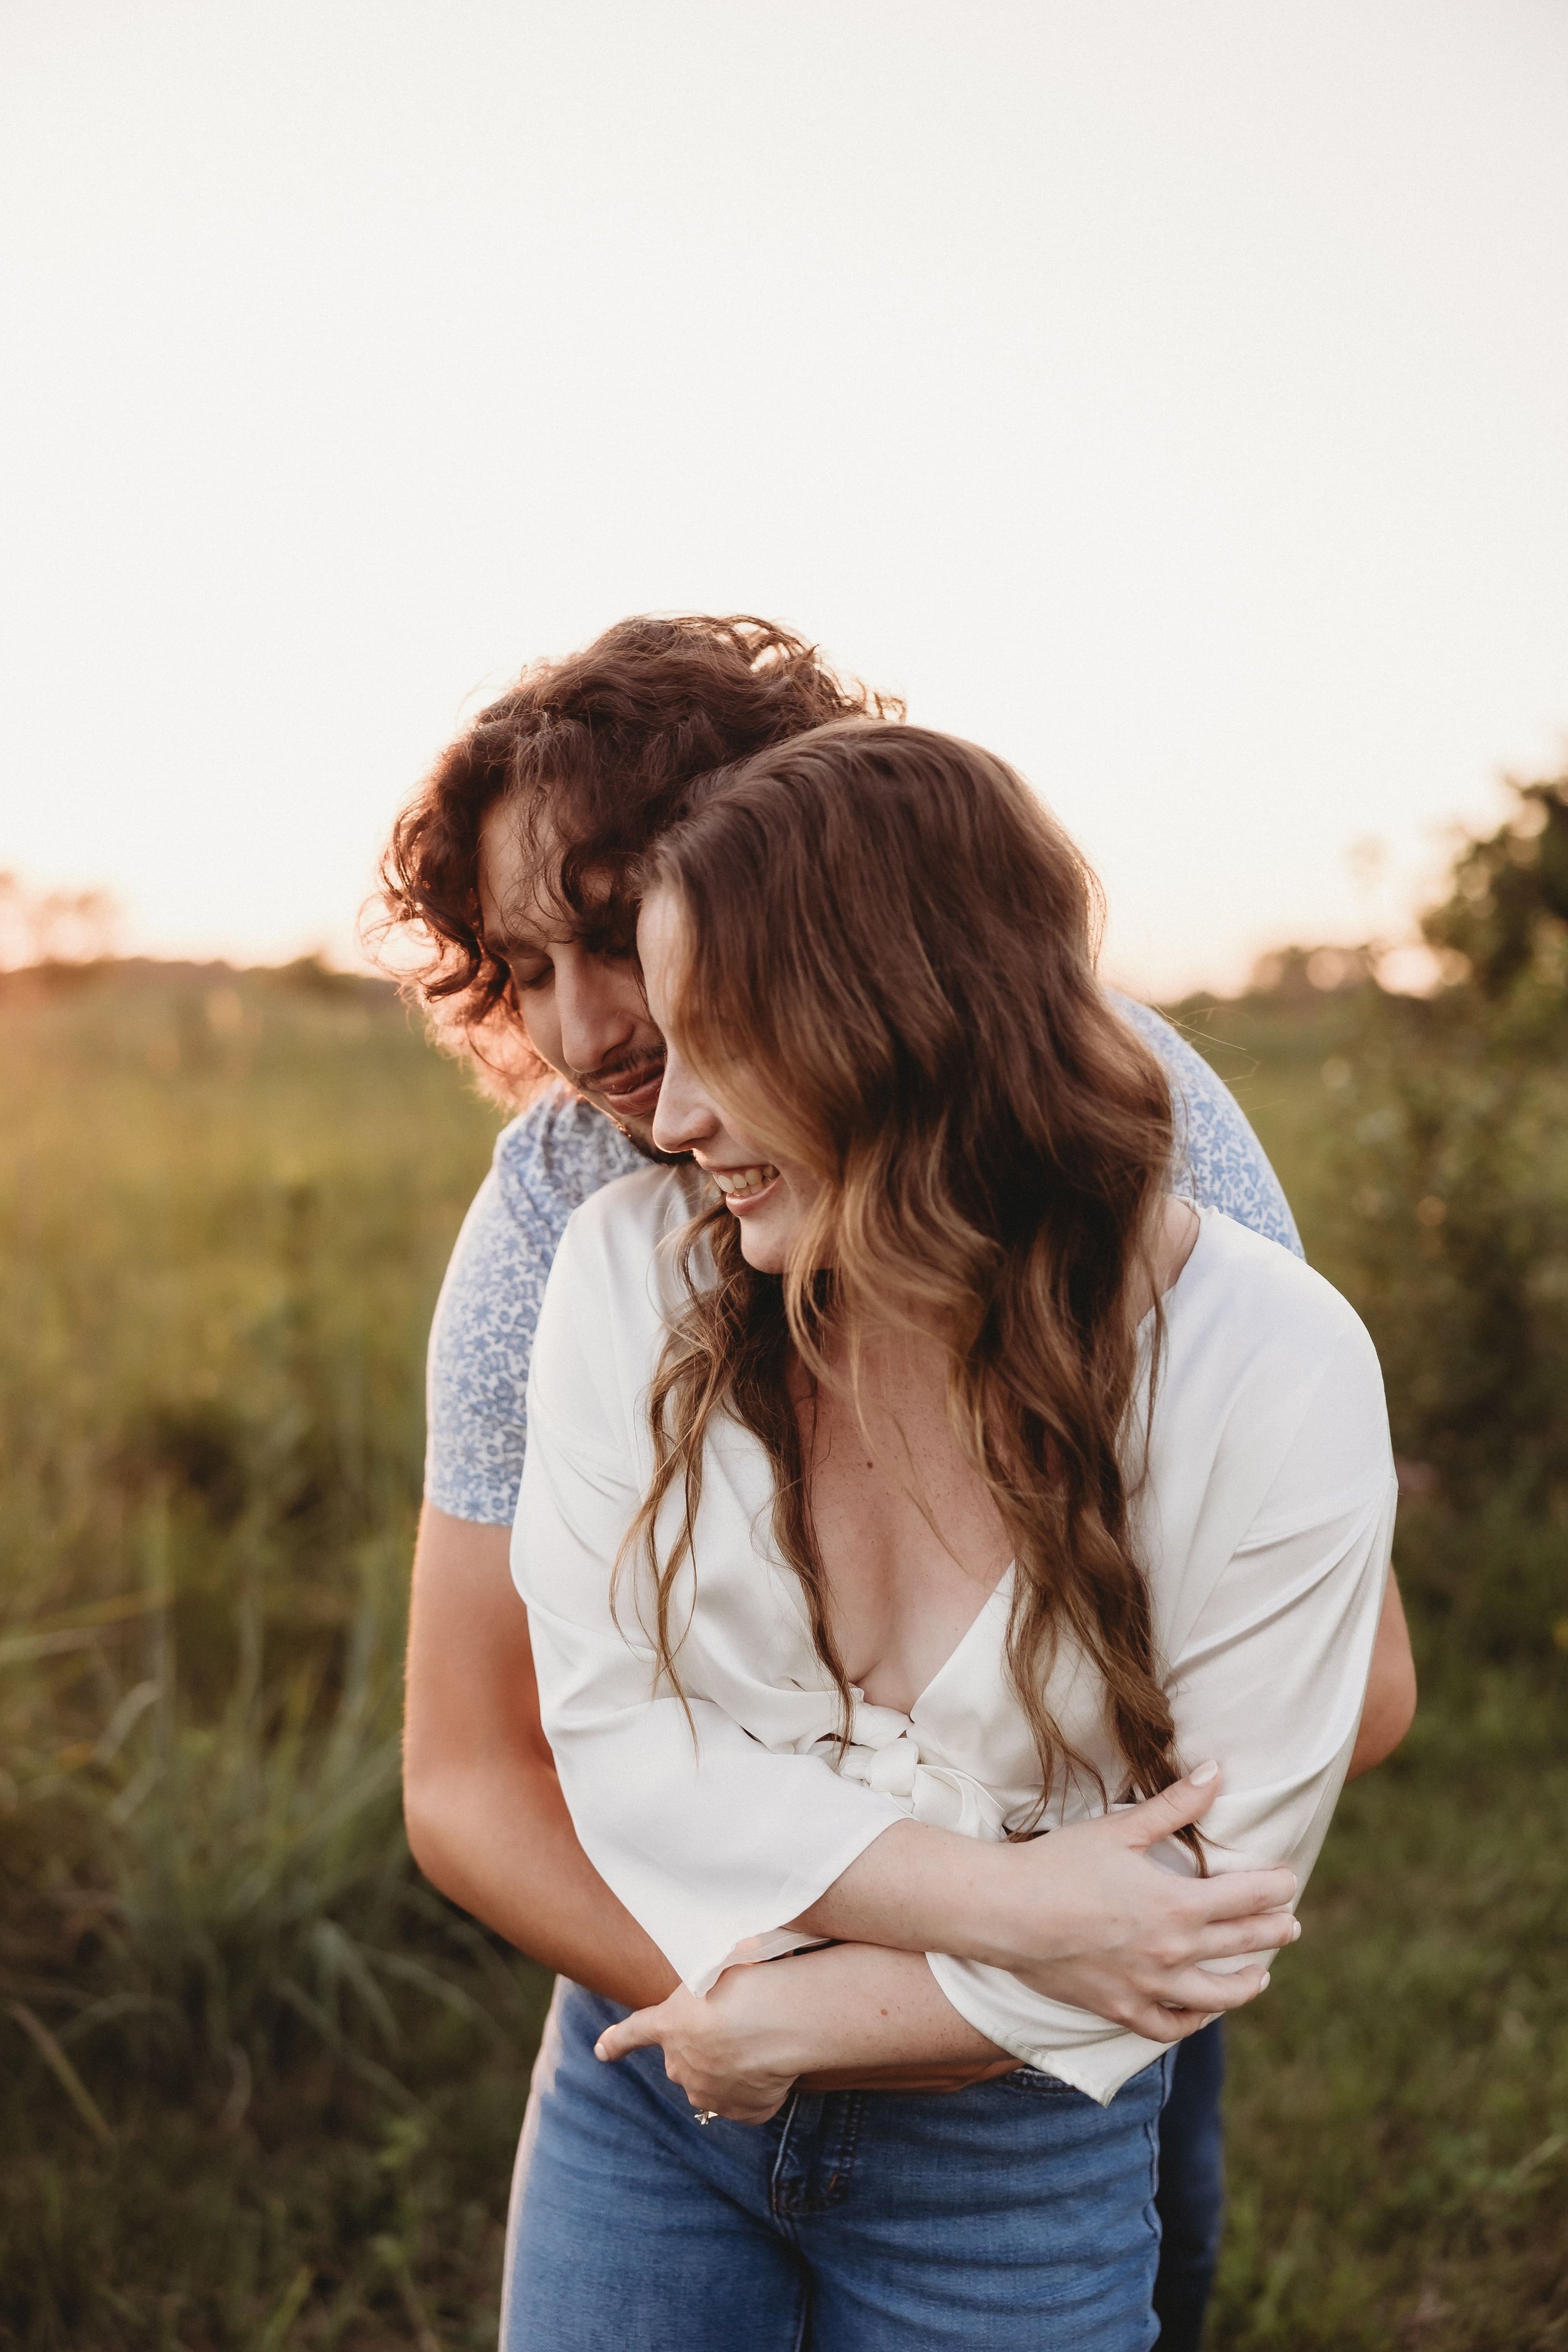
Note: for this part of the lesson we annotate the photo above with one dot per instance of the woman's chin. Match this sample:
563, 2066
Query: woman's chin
767, 1252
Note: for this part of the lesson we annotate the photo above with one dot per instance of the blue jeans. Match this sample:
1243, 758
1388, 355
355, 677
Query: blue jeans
1015, 2217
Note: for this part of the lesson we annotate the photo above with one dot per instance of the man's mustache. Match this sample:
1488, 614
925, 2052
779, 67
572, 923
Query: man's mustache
626, 1066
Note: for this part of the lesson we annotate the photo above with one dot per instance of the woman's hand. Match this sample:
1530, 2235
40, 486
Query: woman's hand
1100, 1925
1084, 1914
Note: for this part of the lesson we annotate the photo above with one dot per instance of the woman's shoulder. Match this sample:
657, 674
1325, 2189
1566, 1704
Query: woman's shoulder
1250, 1299
617, 1252
636, 1211
1269, 1388
606, 1306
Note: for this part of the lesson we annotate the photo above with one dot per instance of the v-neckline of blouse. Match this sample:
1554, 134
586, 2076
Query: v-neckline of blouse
1004, 1581
1003, 1585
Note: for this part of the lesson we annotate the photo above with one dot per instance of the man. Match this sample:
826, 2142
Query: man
517, 862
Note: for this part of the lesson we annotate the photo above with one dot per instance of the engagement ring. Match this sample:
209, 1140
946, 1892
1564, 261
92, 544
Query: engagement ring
704, 2115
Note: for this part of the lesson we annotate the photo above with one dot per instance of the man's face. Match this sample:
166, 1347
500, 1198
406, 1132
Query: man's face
580, 993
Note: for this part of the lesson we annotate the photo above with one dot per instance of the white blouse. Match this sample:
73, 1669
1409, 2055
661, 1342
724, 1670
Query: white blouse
1264, 1525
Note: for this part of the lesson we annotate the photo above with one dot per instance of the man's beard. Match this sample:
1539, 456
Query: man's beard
641, 1144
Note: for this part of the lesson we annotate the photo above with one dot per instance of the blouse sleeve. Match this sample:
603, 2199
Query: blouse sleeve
1270, 1680
710, 1839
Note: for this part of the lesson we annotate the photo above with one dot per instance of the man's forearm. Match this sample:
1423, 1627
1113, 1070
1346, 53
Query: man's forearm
489, 1825
546, 1898
487, 1821
500, 1842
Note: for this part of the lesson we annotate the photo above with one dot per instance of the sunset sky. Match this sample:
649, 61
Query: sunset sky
1173, 398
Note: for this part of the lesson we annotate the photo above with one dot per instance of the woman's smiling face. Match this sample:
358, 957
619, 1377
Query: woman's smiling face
768, 1197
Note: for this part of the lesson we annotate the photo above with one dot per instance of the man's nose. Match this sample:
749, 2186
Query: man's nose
599, 1006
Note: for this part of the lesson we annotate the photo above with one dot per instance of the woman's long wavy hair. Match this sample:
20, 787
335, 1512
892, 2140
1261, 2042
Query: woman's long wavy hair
889, 977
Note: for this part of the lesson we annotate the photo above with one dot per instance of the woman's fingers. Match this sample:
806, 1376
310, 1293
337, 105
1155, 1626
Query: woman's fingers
1157, 2024
638, 2031
1229, 1895
1239, 1894
1208, 1997
1175, 1807
1231, 1937
1196, 1990
694, 2060
736, 2107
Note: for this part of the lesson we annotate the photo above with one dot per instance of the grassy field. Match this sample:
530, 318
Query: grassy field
1399, 2101
259, 2088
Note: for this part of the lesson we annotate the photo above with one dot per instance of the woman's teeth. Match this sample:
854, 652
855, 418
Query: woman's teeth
742, 1181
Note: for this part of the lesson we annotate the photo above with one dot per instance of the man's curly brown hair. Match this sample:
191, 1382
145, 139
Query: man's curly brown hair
598, 751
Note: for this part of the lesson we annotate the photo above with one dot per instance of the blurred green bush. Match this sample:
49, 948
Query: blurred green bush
1425, 1144
1446, 1218
1451, 1173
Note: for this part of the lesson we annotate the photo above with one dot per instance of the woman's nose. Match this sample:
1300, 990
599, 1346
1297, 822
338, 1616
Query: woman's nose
682, 1116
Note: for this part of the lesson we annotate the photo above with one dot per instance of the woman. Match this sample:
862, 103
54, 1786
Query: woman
945, 1481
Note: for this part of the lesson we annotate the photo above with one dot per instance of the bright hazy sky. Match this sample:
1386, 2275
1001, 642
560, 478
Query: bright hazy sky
1172, 397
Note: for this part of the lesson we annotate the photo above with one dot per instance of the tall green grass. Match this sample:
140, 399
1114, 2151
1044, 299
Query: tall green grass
1399, 2100
260, 2087
259, 2084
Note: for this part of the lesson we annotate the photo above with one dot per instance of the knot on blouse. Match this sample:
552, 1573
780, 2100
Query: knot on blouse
884, 1752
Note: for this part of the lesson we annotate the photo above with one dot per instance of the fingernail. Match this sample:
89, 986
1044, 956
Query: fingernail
1204, 1773
1264, 1986
1295, 1931
599, 2047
